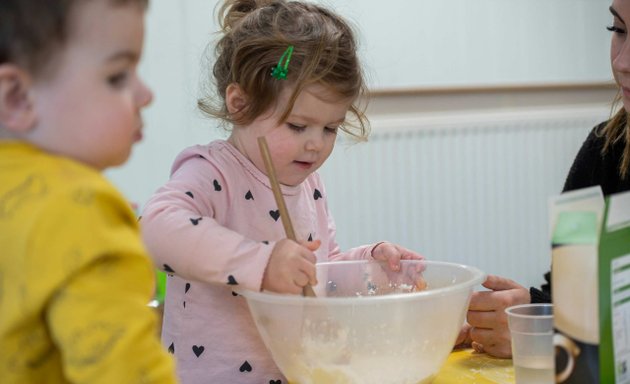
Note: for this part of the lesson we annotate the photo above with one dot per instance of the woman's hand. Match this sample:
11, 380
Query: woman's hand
488, 327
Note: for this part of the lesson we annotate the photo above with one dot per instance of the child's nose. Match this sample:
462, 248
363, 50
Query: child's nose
144, 95
314, 142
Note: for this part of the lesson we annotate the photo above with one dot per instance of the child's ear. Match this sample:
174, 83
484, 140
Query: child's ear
235, 99
16, 108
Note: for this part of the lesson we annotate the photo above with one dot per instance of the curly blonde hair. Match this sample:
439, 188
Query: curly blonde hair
255, 35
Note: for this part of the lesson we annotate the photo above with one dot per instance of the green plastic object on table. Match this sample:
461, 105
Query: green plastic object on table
160, 286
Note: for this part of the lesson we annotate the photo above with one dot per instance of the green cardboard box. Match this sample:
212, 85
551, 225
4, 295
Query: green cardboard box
590, 260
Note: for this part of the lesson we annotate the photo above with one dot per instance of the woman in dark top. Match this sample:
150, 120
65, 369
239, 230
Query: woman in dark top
603, 159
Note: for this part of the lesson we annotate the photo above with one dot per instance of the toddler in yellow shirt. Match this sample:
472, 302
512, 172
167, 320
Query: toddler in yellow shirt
75, 278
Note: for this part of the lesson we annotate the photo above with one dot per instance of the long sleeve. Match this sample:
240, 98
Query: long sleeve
181, 227
76, 278
542, 295
99, 317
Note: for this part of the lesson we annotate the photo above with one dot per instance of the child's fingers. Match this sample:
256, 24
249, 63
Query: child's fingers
310, 275
393, 254
306, 268
300, 280
291, 266
388, 252
311, 245
313, 280
407, 254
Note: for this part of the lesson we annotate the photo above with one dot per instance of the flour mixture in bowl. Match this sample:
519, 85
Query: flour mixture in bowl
367, 325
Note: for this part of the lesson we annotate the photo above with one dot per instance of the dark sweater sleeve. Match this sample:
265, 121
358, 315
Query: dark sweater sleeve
542, 295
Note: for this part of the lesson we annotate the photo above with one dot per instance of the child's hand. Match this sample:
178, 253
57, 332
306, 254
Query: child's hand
291, 266
393, 253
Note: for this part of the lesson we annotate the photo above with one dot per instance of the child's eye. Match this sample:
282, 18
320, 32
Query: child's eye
332, 130
615, 29
296, 128
118, 80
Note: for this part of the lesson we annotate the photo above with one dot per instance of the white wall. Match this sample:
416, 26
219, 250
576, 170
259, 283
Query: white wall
405, 43
419, 43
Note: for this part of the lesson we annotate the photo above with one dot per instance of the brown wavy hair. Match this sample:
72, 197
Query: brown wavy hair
31, 31
255, 35
616, 130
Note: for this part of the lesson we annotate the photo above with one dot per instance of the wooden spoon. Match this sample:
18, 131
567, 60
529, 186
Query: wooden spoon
277, 194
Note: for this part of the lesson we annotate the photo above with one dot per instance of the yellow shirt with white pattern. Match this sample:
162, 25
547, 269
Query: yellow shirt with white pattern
75, 278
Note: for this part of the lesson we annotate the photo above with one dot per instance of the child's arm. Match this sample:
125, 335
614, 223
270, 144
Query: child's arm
181, 226
106, 331
98, 315
193, 245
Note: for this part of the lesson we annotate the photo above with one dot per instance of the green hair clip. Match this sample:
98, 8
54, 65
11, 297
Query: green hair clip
280, 71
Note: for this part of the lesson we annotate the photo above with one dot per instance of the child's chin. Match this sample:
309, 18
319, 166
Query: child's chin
294, 182
119, 161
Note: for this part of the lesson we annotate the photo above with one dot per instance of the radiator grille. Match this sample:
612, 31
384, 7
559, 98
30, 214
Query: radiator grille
467, 188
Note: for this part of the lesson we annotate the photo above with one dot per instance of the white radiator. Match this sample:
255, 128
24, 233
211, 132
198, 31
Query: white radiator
467, 188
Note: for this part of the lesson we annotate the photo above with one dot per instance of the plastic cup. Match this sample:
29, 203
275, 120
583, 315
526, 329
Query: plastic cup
531, 328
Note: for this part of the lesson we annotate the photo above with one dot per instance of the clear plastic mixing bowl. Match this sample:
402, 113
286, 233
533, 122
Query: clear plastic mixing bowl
367, 324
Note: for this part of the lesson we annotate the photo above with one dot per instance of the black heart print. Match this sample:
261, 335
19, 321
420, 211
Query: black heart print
245, 367
310, 237
249, 196
184, 304
171, 348
187, 287
198, 350
266, 242
190, 194
275, 381
234, 293
317, 194
275, 214
217, 186
195, 221
232, 280
168, 269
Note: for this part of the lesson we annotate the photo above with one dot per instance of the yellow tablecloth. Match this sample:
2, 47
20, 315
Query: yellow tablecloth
467, 366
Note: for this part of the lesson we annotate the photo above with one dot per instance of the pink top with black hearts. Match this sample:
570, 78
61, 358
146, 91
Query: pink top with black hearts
213, 226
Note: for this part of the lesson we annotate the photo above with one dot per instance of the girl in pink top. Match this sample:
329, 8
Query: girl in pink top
287, 71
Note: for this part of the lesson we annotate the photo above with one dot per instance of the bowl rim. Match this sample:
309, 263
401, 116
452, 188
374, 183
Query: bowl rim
478, 277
